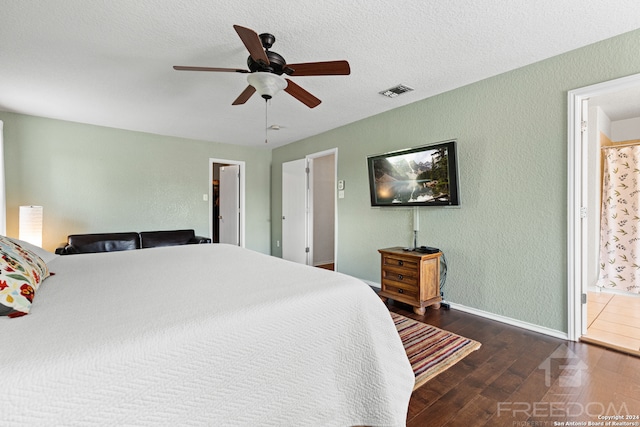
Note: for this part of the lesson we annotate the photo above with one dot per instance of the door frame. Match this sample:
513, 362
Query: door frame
577, 188
241, 197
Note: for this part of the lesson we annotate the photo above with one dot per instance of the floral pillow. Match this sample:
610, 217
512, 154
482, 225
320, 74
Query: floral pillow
21, 272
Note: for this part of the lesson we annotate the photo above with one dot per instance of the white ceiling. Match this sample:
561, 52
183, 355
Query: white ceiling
110, 62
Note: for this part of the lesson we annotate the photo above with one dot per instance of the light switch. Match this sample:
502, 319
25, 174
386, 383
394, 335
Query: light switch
341, 194
205, 197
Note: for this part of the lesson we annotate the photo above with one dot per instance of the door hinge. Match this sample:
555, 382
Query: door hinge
584, 298
583, 126
306, 170
583, 212
306, 250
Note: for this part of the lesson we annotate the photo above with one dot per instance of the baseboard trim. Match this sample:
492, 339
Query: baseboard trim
498, 318
510, 321
372, 284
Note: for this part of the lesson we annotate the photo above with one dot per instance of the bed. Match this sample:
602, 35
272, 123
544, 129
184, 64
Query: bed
201, 335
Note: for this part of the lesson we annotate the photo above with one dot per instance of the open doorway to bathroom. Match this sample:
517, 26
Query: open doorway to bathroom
604, 305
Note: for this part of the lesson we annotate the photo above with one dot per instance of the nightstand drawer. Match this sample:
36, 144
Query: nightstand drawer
398, 261
400, 289
401, 275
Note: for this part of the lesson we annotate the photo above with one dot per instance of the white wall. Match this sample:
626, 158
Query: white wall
625, 130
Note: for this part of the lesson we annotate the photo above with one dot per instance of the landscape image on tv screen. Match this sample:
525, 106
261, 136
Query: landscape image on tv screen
419, 176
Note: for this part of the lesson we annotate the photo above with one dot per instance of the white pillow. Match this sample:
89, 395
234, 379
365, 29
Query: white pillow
42, 253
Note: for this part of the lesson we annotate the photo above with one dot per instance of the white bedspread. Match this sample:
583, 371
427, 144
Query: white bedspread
201, 335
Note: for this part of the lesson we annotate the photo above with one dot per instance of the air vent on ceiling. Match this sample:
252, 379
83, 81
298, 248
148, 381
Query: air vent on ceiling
396, 90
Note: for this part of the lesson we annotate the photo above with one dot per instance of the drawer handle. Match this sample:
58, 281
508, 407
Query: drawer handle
400, 291
400, 277
400, 263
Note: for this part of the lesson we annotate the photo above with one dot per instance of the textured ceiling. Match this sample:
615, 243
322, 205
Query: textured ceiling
110, 62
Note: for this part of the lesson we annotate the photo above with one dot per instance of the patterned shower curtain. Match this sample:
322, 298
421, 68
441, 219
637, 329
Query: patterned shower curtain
620, 220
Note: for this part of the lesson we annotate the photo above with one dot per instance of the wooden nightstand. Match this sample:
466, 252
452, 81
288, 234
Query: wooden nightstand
410, 277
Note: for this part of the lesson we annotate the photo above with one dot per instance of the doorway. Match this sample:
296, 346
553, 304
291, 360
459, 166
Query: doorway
592, 109
309, 210
322, 208
226, 201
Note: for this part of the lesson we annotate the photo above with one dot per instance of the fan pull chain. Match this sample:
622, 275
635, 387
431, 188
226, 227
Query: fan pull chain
266, 121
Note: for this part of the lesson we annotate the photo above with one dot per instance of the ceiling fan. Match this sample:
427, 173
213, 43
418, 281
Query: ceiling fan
266, 68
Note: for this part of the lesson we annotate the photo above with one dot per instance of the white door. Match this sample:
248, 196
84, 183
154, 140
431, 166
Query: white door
229, 218
294, 211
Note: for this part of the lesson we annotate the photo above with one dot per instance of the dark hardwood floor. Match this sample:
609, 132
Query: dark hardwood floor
522, 378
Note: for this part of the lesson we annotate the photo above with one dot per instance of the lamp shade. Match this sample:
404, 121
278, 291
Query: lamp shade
31, 224
267, 84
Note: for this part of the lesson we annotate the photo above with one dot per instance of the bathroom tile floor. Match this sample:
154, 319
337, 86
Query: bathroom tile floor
614, 321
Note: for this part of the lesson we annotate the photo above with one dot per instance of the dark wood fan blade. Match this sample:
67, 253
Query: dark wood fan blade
301, 95
328, 68
245, 95
224, 70
253, 44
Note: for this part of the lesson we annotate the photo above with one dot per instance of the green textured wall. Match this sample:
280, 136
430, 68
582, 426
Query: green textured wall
94, 179
506, 246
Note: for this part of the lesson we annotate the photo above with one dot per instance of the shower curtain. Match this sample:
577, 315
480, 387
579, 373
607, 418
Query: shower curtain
620, 220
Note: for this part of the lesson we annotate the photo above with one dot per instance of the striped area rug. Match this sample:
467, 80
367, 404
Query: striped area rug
429, 349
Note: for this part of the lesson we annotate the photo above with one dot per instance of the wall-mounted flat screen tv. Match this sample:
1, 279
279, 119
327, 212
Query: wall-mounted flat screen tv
419, 176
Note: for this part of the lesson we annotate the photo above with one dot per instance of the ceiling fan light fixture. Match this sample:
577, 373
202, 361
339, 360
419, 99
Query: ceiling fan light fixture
267, 84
